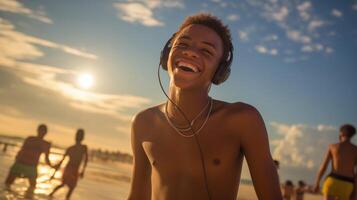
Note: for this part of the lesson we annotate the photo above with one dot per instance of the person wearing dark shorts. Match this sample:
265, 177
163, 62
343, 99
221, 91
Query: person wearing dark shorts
27, 159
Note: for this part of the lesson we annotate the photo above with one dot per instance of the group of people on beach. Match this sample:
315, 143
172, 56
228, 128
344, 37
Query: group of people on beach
27, 160
192, 146
341, 182
291, 192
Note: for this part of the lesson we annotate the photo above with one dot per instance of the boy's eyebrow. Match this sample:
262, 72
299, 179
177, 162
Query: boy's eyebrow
209, 44
205, 42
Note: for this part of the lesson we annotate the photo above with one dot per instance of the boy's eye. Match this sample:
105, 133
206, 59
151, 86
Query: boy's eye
206, 51
181, 44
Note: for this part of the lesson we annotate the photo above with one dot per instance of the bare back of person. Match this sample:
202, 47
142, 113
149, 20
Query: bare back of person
344, 158
174, 161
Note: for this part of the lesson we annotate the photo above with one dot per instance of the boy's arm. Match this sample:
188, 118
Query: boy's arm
255, 145
322, 170
85, 161
47, 154
141, 181
58, 165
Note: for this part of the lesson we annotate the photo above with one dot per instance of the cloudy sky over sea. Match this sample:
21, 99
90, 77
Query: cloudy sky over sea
92, 64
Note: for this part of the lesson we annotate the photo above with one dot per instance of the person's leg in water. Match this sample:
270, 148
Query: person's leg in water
56, 188
32, 187
70, 191
9, 180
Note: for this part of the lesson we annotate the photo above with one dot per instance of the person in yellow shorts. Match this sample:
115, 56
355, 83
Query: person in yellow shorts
339, 184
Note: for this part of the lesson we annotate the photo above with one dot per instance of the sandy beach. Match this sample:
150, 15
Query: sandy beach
103, 180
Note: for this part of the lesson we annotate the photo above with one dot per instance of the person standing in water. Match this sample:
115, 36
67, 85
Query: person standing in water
28, 157
76, 153
339, 184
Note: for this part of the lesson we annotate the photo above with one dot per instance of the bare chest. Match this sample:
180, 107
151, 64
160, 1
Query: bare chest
173, 155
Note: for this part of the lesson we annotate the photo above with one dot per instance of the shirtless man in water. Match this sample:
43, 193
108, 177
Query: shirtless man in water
172, 161
28, 157
77, 154
339, 184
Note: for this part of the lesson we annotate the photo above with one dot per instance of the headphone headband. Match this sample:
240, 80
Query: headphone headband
224, 68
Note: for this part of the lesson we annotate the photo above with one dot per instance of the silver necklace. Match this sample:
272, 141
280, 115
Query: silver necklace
195, 133
184, 129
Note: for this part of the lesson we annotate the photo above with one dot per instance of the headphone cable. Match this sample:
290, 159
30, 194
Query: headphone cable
193, 132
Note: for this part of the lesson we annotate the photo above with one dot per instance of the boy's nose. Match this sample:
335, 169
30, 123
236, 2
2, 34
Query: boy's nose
191, 53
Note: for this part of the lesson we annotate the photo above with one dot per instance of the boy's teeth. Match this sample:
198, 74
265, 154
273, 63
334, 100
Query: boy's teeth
187, 67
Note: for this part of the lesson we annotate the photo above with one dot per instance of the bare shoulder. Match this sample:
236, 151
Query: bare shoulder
84, 147
354, 148
146, 116
240, 111
145, 120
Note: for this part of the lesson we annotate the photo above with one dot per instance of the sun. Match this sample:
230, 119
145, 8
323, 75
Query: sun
85, 81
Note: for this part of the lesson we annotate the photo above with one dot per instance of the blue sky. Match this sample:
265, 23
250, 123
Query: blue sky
294, 60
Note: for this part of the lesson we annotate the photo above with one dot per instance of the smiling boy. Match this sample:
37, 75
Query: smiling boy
202, 160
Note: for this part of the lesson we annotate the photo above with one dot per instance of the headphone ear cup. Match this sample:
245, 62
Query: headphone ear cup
164, 57
224, 69
221, 74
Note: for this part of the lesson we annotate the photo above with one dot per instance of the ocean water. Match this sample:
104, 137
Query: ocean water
103, 180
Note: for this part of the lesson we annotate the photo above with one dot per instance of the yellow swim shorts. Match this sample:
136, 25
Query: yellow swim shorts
338, 188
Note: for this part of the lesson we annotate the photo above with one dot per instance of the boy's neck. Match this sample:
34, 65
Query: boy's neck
191, 102
345, 140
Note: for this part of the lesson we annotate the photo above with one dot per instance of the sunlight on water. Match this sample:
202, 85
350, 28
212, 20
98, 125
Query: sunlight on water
102, 180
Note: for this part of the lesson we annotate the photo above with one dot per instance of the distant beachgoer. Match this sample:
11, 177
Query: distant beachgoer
4, 149
340, 182
76, 153
28, 157
277, 164
288, 190
192, 146
300, 190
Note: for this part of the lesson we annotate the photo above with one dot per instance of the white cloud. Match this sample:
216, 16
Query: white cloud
329, 50
233, 17
17, 45
18, 48
296, 36
314, 24
243, 35
137, 12
304, 10
14, 6
281, 14
264, 50
312, 48
326, 128
336, 13
143, 11
272, 37
354, 7
273, 52
261, 49
302, 145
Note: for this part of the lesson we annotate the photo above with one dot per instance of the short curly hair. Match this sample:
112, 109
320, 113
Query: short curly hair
215, 24
348, 129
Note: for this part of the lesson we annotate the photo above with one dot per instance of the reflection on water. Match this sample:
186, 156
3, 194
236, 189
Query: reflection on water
102, 180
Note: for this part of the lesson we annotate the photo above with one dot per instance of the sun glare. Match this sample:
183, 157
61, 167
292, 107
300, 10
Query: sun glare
85, 81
